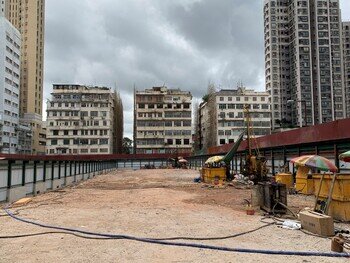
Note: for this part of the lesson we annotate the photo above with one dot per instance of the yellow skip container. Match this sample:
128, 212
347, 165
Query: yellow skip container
285, 178
214, 175
340, 205
304, 183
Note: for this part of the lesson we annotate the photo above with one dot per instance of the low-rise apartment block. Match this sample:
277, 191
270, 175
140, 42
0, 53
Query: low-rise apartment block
25, 135
221, 119
163, 121
81, 120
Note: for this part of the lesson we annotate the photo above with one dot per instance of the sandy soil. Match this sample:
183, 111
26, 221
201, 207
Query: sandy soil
150, 203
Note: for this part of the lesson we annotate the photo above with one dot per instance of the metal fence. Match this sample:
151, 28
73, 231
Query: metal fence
31, 176
22, 176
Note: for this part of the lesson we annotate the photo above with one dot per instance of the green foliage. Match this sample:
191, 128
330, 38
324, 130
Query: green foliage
205, 98
127, 145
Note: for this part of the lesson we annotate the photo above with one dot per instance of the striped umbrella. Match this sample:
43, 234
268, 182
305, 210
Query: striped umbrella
315, 161
345, 157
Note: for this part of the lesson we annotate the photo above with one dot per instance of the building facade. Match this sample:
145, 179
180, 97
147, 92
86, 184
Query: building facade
10, 42
162, 121
303, 61
2, 7
81, 120
29, 18
24, 133
38, 129
225, 116
346, 52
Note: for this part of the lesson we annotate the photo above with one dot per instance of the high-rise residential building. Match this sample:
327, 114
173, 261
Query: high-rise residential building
222, 117
10, 44
162, 121
346, 52
83, 120
29, 18
303, 61
2, 7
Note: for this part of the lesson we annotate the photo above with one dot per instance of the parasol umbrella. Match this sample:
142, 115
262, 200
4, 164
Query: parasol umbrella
321, 163
315, 161
182, 161
214, 159
345, 157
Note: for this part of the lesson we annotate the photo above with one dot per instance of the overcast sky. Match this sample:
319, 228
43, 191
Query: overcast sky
179, 43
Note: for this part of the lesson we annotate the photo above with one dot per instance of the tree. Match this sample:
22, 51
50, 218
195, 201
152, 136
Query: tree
127, 145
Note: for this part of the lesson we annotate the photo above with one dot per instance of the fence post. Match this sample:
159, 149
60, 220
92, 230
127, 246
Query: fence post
59, 169
35, 171
9, 173
65, 169
44, 171
52, 171
70, 168
24, 173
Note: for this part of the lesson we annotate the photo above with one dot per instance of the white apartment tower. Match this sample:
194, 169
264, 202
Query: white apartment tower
346, 52
162, 121
303, 61
82, 120
2, 7
10, 45
225, 115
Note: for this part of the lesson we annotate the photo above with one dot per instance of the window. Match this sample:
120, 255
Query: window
103, 141
170, 141
66, 141
222, 141
177, 123
186, 141
187, 123
54, 132
53, 142
178, 141
65, 132
93, 141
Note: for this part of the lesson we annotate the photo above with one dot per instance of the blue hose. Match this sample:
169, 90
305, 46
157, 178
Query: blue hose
181, 244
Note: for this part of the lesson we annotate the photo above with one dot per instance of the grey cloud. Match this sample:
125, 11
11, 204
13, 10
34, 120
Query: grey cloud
183, 43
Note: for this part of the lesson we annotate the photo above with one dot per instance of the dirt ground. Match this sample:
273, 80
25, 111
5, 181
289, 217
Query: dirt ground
152, 204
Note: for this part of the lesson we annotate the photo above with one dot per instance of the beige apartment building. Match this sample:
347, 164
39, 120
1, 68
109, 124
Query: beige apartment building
346, 52
83, 120
29, 18
162, 121
38, 128
221, 118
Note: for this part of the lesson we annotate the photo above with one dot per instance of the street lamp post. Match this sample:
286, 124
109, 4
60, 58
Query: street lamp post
301, 101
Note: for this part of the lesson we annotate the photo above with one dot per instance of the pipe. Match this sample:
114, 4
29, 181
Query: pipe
181, 244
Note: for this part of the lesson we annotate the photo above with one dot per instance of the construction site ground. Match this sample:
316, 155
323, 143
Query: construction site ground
153, 204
